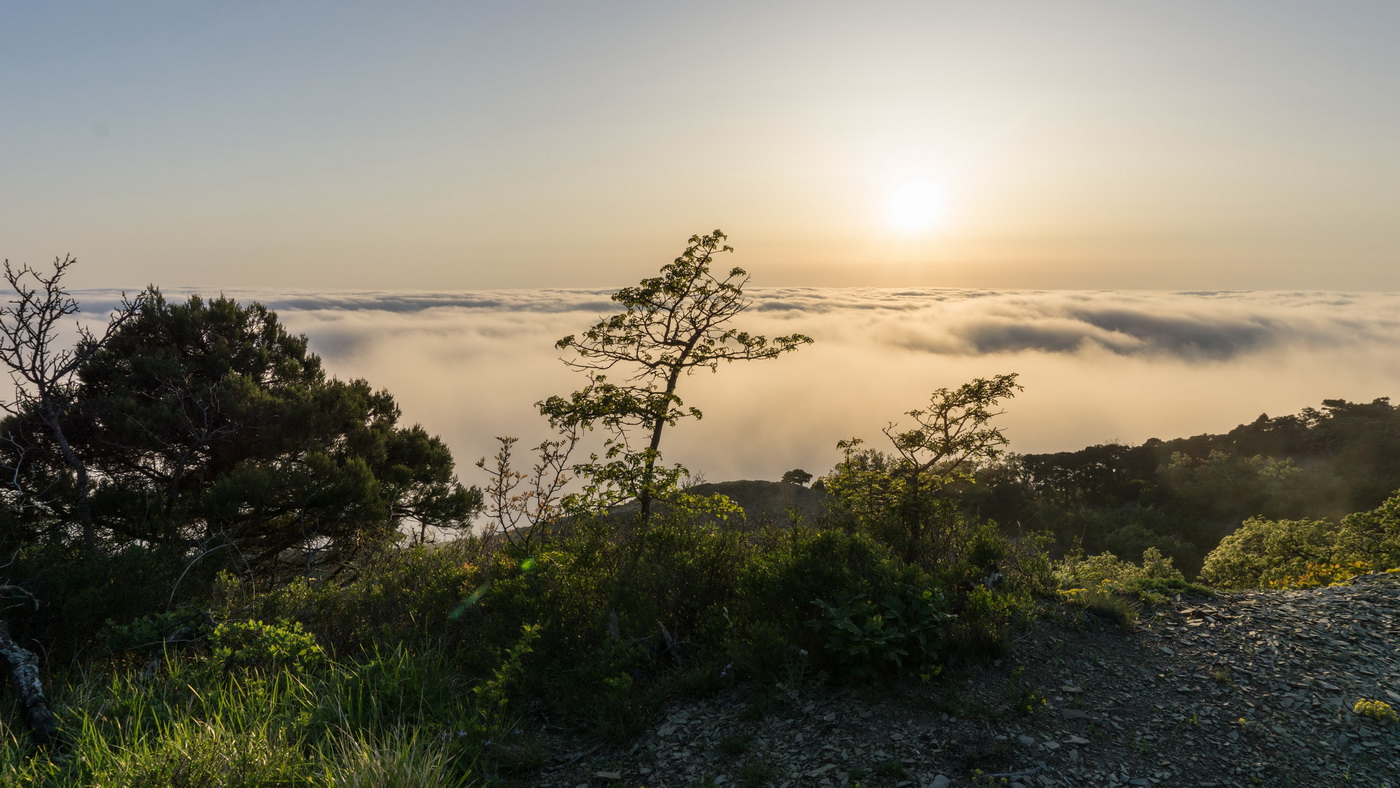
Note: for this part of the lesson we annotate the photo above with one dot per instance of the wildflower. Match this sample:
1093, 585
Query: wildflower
1377, 710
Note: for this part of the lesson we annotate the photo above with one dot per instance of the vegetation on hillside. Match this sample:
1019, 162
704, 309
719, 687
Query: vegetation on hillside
1183, 496
239, 570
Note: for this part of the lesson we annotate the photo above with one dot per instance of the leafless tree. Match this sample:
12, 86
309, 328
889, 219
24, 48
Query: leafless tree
42, 370
522, 515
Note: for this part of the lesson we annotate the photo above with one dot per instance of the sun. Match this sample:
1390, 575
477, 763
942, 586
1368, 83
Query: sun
916, 207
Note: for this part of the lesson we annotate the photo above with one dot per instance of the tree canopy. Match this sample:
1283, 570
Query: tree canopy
207, 424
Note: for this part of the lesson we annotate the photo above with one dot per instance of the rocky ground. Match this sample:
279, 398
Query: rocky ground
1239, 689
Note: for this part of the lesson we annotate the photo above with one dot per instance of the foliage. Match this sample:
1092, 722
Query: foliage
1371, 536
211, 432
492, 697
159, 629
79, 593
796, 476
777, 585
983, 625
1315, 575
1302, 553
59, 484
522, 515
1183, 495
1116, 589
905, 629
1261, 551
1079, 571
281, 646
1223, 483
671, 325
398, 597
948, 442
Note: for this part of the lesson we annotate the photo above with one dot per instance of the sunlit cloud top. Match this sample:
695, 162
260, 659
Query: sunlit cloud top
1097, 366
1195, 326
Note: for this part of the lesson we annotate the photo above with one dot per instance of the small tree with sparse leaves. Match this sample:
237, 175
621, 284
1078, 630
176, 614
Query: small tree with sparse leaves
670, 326
948, 441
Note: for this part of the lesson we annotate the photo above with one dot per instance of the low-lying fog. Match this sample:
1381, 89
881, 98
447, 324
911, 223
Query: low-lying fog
1097, 366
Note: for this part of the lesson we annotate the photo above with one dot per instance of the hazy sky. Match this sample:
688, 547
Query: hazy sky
1248, 145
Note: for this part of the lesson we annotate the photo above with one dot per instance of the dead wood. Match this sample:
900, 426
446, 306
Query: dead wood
24, 677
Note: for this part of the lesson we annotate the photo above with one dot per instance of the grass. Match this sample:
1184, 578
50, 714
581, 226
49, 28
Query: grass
320, 684
198, 726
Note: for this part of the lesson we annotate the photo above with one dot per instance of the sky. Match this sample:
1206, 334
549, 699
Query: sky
1167, 217
1250, 145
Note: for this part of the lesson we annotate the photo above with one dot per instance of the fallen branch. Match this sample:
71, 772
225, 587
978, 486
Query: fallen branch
24, 677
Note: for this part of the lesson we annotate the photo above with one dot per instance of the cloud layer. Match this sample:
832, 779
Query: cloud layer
1097, 366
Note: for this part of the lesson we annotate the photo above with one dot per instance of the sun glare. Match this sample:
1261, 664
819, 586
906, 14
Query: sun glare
915, 207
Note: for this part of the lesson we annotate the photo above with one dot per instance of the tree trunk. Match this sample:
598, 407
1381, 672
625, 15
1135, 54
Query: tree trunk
24, 677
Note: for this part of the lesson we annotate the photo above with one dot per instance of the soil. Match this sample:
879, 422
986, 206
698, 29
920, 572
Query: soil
1238, 689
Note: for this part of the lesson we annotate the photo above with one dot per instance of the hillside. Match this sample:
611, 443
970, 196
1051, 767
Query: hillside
1240, 689
1184, 494
772, 500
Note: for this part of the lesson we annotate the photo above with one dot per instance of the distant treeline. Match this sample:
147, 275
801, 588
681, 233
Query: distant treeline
1183, 495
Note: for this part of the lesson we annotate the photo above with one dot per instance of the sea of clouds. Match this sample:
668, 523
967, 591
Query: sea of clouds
1097, 366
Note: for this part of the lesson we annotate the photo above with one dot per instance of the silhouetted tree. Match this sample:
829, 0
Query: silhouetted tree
797, 476
207, 424
671, 325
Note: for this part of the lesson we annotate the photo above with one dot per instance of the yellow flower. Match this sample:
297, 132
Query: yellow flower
1376, 709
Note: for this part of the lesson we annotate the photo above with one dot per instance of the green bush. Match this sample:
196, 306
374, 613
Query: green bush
1261, 551
1079, 571
1116, 589
983, 627
77, 594
1372, 537
1300, 553
397, 596
777, 588
281, 646
155, 630
905, 629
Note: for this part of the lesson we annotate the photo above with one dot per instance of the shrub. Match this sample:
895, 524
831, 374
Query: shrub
1264, 550
1303, 553
281, 646
778, 586
398, 596
1079, 571
984, 625
905, 629
79, 594
1372, 537
1104, 601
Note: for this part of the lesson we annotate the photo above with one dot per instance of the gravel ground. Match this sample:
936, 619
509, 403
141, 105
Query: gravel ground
1240, 689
